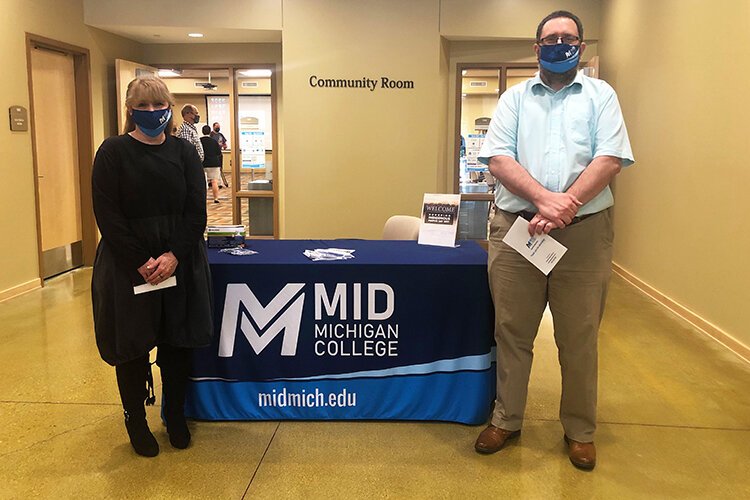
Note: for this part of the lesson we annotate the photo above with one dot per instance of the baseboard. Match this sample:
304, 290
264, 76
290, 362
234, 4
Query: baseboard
701, 324
20, 289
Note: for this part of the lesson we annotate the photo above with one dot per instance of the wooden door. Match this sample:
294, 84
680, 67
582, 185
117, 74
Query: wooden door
56, 139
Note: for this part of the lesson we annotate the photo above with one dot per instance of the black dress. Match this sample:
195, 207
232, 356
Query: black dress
149, 199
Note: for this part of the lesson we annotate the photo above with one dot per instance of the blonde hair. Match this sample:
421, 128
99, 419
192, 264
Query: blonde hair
146, 89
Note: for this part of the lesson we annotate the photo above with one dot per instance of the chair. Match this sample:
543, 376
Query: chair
401, 227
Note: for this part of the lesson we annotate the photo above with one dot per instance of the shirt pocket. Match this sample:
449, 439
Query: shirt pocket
578, 130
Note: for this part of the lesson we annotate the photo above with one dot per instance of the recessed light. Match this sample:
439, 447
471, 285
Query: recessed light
195, 35
169, 73
258, 73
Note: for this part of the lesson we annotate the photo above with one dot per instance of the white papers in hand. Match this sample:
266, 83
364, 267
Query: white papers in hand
541, 249
147, 287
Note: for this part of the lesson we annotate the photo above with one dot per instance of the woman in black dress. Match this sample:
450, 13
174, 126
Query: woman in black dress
149, 197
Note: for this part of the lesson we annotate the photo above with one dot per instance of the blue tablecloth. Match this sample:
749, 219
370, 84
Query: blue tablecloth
402, 331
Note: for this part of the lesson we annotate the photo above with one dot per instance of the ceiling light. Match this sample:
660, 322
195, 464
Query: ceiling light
195, 35
257, 73
167, 73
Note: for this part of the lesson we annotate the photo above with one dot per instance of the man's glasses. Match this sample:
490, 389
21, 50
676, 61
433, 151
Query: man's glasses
555, 39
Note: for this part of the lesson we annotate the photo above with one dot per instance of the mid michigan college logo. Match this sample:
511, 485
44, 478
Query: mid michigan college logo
290, 320
261, 324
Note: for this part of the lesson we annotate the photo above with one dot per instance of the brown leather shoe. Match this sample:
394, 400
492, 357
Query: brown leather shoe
582, 455
492, 439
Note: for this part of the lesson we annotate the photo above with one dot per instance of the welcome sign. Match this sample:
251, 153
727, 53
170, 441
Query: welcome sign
398, 332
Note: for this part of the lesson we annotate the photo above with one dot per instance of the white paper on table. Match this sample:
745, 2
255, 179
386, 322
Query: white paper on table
541, 249
147, 287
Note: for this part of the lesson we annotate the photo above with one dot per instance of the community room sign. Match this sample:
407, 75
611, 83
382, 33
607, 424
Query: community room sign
384, 82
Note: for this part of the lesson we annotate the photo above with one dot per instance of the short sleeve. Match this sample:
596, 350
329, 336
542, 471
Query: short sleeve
611, 137
501, 138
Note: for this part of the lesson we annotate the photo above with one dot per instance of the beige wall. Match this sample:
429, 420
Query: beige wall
355, 157
508, 19
149, 21
63, 21
212, 53
224, 14
679, 69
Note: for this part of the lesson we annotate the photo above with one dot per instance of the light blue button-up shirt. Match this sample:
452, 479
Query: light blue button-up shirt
555, 135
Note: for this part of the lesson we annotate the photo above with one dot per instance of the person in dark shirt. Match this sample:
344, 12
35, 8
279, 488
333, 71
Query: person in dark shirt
216, 135
149, 195
211, 161
222, 140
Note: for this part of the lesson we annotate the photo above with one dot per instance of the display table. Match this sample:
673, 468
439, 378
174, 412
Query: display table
402, 331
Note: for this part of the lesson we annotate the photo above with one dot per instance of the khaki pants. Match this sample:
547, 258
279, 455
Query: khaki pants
576, 291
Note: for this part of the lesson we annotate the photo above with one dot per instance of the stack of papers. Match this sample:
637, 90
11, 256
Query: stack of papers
225, 236
238, 251
329, 254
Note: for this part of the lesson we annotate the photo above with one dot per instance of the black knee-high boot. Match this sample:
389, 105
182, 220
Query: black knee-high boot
132, 380
175, 367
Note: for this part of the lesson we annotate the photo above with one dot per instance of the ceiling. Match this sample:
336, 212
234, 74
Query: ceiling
171, 34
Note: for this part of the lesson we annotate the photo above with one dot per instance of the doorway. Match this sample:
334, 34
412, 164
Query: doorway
241, 100
61, 142
478, 88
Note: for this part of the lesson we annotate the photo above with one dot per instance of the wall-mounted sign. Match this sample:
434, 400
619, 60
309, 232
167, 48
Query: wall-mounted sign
365, 82
19, 118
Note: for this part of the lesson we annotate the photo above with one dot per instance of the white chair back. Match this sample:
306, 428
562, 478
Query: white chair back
401, 227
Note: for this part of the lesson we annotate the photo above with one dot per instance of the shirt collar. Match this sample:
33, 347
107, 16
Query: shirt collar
538, 86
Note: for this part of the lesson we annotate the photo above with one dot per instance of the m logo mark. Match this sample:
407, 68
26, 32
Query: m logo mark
289, 320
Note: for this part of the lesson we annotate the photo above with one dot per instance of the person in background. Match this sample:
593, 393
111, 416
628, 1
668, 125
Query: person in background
554, 145
219, 137
211, 161
149, 196
187, 130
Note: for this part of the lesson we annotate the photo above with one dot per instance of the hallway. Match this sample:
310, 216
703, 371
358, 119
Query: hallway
674, 415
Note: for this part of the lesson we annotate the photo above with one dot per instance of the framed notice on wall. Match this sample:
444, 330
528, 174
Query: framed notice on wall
218, 111
257, 109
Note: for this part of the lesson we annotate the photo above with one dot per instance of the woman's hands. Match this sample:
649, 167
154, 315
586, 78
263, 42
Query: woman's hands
157, 270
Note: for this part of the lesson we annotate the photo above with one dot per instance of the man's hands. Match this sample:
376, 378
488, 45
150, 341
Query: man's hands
555, 211
157, 270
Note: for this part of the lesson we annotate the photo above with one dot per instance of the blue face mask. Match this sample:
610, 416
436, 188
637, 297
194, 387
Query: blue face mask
560, 57
152, 123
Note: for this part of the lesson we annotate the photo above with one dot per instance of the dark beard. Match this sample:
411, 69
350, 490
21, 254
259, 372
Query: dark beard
553, 79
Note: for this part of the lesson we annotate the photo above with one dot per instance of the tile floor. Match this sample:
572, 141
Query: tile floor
674, 423
219, 213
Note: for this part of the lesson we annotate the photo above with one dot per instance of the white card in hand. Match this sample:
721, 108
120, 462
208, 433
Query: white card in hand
541, 249
147, 287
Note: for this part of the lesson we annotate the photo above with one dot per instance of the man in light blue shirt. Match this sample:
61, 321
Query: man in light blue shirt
554, 144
